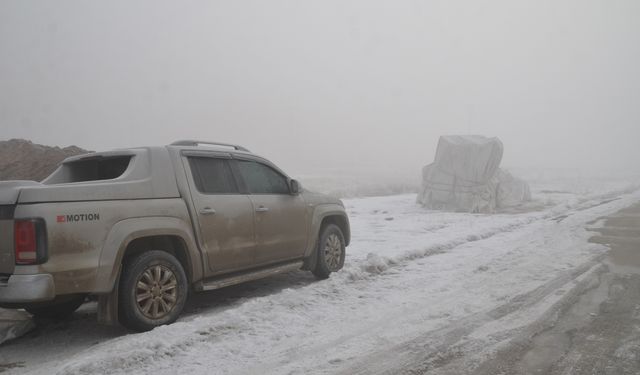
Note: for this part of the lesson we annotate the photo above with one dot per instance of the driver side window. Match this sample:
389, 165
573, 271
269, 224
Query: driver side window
261, 179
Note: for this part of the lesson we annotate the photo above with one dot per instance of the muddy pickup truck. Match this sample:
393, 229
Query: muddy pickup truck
140, 228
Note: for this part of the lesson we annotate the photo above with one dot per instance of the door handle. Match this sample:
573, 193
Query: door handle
207, 211
262, 209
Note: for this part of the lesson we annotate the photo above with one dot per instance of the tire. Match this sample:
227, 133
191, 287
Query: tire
330, 252
152, 292
61, 308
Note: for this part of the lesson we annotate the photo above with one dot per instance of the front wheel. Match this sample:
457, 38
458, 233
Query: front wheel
330, 251
153, 291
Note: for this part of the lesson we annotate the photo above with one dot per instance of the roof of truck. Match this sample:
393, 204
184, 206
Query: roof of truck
183, 145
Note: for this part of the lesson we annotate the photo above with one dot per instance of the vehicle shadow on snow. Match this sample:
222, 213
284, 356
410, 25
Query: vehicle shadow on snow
82, 328
222, 299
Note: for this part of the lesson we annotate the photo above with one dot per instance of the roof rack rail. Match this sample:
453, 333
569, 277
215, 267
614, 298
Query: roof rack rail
191, 142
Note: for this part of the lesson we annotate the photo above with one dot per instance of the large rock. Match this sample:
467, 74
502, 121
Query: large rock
466, 176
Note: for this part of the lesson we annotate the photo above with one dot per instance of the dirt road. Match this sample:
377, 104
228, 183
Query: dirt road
599, 331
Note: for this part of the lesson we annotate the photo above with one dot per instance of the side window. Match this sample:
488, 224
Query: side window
212, 176
261, 179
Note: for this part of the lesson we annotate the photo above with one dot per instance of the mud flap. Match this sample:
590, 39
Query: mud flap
108, 306
312, 260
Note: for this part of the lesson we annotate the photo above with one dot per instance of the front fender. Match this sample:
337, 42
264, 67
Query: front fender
321, 212
125, 231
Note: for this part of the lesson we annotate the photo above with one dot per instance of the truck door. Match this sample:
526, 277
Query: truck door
225, 222
280, 217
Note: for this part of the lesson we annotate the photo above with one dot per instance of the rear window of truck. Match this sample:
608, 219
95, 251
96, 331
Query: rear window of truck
92, 169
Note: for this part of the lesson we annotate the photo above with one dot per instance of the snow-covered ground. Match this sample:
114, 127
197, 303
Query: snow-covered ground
417, 285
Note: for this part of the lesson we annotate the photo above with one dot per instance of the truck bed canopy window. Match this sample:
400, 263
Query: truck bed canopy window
92, 169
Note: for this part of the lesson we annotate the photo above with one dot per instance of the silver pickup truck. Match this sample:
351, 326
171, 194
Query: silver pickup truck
139, 228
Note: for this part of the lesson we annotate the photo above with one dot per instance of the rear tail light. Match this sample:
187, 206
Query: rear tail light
30, 238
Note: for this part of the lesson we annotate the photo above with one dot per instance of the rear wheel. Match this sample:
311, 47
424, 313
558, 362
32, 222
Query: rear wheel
60, 308
330, 251
153, 291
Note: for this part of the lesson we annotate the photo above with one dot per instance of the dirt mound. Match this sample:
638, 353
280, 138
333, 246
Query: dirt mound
23, 160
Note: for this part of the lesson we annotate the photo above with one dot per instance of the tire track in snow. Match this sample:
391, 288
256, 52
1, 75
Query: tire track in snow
419, 355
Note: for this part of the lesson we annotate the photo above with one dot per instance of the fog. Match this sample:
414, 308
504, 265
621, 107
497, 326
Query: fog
329, 85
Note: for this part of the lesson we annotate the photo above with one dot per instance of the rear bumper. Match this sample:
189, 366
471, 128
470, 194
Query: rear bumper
27, 288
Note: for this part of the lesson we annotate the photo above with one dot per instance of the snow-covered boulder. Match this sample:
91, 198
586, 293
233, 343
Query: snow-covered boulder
512, 190
466, 176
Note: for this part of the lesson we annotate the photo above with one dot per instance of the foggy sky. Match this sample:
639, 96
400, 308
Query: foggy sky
316, 85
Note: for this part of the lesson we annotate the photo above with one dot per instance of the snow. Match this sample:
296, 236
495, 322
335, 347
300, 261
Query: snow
14, 323
415, 281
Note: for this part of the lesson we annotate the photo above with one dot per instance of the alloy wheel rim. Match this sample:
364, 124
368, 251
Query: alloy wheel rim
333, 252
156, 292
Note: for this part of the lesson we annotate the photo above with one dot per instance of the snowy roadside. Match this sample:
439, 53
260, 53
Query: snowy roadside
414, 280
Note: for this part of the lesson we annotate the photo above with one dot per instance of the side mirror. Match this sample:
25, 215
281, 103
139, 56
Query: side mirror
294, 187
